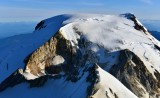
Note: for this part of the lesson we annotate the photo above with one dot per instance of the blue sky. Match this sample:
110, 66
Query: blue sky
36, 10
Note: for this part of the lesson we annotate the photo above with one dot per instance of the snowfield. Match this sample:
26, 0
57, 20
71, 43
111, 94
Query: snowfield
15, 49
115, 33
106, 36
111, 86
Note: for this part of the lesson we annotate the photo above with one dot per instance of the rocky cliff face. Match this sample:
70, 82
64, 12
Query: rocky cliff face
75, 57
43, 57
132, 72
55, 59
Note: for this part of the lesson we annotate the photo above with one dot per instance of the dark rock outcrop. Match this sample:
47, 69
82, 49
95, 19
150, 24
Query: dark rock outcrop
93, 78
13, 80
132, 72
137, 25
38, 82
40, 25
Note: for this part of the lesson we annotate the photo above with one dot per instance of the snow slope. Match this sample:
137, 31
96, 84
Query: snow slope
15, 49
54, 88
98, 37
156, 34
111, 87
60, 88
115, 33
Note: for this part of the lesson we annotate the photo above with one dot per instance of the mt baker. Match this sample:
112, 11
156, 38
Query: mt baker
81, 56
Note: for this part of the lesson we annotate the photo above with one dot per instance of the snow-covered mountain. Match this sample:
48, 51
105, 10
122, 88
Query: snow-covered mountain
82, 56
152, 25
156, 34
8, 29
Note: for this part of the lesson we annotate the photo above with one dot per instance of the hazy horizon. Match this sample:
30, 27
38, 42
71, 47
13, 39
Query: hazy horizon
36, 10
21, 16
23, 27
15, 28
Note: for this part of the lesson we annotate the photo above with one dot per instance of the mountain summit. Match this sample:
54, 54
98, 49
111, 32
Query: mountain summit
82, 56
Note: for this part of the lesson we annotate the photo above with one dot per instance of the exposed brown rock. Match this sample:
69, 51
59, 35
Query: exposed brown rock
44, 55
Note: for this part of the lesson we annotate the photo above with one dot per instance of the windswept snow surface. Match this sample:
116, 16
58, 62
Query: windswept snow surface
115, 33
54, 88
14, 50
110, 86
60, 88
